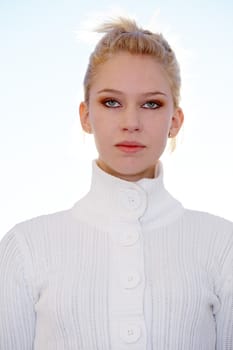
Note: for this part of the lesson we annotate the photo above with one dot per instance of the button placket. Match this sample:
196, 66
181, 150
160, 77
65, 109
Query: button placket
127, 291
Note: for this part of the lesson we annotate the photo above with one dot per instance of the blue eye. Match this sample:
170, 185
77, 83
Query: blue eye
151, 105
111, 103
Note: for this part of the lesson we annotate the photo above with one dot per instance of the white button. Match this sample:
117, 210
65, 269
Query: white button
128, 238
131, 280
131, 199
130, 333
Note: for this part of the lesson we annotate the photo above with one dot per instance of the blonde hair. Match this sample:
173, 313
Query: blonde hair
123, 34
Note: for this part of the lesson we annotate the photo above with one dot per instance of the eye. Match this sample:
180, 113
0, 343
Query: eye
111, 103
151, 105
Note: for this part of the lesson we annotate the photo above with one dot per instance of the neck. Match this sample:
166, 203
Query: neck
148, 173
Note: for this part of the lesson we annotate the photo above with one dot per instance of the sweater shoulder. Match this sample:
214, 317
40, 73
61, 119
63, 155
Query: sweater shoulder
209, 227
36, 228
207, 218
43, 221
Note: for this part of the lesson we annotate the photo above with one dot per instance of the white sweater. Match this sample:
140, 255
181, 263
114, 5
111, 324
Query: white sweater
127, 268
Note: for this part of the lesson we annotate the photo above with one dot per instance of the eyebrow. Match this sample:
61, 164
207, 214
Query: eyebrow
149, 93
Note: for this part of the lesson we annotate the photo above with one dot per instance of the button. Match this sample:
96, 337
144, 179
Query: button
130, 333
128, 238
131, 199
131, 280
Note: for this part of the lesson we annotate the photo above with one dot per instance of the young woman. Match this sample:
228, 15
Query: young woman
127, 267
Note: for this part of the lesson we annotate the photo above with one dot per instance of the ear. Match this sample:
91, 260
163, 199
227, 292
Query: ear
84, 117
176, 122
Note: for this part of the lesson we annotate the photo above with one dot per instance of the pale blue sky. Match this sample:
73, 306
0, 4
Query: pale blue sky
45, 164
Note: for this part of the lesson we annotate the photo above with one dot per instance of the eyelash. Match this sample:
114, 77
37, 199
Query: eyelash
157, 104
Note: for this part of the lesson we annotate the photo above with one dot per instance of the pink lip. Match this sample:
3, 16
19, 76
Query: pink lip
130, 146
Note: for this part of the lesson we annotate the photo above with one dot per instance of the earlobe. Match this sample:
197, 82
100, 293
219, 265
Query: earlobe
84, 117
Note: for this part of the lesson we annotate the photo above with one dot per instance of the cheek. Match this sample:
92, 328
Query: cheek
102, 125
158, 135
102, 129
159, 126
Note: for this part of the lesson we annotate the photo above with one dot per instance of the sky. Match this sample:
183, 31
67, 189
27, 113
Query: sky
44, 48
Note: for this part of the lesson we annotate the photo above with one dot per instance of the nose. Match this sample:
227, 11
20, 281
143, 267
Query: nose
130, 120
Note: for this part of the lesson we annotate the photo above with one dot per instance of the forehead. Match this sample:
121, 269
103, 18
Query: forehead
130, 73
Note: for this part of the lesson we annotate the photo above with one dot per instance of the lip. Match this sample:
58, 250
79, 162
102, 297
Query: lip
130, 146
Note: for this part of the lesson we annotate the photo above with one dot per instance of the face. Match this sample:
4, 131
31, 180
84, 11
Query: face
130, 112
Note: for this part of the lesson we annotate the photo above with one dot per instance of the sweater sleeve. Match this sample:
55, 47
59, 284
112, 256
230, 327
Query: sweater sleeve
224, 316
17, 317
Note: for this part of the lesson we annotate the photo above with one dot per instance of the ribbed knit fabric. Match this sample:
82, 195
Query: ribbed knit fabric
127, 268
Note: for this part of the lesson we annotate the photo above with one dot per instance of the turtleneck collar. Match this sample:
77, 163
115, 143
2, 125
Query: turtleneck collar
113, 200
